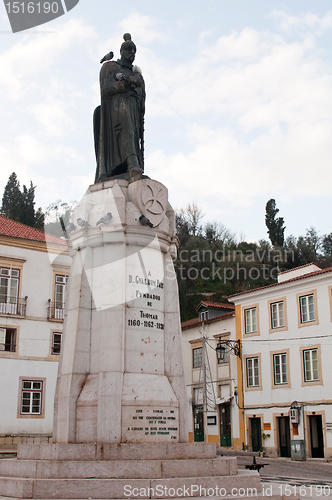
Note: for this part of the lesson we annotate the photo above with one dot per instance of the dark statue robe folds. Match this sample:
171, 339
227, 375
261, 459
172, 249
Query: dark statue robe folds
119, 121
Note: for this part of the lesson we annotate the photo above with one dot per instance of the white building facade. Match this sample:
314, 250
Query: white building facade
34, 269
286, 337
211, 379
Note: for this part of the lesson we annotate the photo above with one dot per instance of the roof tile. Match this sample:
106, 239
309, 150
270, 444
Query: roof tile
15, 229
216, 305
195, 321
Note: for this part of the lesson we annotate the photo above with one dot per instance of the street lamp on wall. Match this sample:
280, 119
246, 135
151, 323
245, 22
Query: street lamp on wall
233, 345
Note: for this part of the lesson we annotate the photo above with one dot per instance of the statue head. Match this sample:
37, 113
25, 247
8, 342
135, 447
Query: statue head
128, 49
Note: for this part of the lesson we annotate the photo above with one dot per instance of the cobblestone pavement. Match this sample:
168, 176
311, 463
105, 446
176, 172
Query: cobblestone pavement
308, 480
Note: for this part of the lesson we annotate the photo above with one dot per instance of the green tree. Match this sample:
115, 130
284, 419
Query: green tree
182, 229
304, 249
308, 246
293, 256
212, 265
39, 219
28, 208
12, 199
327, 245
275, 225
216, 232
313, 240
192, 216
20, 205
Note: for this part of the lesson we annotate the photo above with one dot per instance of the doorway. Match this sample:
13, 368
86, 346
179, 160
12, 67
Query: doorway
284, 439
225, 424
316, 436
256, 434
198, 423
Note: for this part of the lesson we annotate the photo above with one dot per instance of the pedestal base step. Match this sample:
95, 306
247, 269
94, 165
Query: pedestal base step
121, 451
130, 488
117, 469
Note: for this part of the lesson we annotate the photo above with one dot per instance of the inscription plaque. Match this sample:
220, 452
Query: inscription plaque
150, 424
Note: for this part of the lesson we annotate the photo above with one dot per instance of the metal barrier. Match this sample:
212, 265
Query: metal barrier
13, 305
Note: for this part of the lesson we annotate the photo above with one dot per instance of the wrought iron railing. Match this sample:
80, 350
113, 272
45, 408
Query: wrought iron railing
9, 347
13, 305
55, 310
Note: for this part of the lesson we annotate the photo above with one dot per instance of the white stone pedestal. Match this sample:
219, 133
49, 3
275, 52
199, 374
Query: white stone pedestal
121, 371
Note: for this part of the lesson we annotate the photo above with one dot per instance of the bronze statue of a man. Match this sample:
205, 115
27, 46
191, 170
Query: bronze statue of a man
119, 121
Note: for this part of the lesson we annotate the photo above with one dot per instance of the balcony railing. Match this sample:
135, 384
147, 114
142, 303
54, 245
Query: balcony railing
13, 305
9, 347
55, 311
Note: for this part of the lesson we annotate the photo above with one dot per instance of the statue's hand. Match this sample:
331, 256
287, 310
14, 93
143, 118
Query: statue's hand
134, 81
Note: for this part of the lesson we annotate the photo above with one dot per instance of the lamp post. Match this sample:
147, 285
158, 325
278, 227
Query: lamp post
233, 345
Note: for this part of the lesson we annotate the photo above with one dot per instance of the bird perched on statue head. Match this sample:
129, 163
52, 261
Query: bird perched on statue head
145, 221
105, 219
83, 223
108, 57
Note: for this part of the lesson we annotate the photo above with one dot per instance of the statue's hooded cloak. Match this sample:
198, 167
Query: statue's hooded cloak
119, 121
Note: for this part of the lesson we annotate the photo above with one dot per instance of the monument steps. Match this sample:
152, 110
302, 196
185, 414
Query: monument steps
126, 470
47, 488
118, 469
121, 451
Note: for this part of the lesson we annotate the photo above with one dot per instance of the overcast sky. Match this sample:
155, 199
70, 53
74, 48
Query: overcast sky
239, 104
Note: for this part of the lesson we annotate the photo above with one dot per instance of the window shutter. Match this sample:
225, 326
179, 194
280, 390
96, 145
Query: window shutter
2, 338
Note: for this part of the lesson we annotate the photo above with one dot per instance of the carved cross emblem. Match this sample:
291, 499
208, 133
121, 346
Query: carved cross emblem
151, 198
154, 199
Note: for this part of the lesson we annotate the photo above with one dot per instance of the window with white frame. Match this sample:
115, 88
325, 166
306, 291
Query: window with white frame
204, 315
9, 287
310, 361
56, 342
250, 318
197, 357
280, 369
253, 372
307, 308
277, 315
8, 339
60, 295
31, 400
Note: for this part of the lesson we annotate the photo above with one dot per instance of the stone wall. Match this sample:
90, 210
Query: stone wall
10, 442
